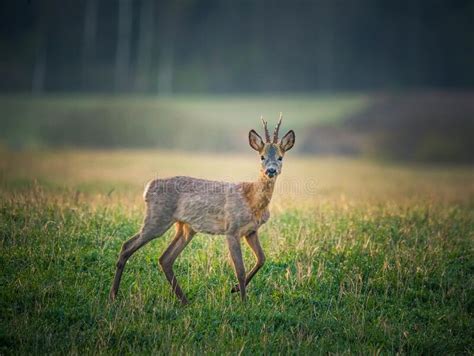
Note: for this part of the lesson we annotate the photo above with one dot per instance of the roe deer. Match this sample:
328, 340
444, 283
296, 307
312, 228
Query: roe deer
219, 208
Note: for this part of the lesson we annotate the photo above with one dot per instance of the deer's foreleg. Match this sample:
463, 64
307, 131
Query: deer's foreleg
254, 243
237, 261
182, 237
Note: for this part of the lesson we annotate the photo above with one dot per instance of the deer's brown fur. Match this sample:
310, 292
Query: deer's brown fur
219, 208
258, 195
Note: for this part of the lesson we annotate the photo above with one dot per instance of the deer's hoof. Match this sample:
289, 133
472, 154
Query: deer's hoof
112, 296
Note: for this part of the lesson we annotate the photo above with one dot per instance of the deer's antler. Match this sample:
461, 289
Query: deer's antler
277, 128
267, 134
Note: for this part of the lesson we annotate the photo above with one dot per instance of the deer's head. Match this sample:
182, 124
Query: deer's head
271, 151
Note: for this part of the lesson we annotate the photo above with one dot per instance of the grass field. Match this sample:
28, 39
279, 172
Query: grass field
362, 257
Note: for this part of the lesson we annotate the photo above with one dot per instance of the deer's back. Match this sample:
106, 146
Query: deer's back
207, 206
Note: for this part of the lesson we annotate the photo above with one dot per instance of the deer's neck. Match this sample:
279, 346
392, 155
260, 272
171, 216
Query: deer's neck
258, 194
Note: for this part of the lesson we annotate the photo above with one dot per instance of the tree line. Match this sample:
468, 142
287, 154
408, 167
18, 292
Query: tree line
226, 46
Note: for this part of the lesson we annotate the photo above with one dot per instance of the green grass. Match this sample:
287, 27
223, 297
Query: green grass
394, 281
345, 274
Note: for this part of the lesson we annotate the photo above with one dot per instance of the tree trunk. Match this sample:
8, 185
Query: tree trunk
325, 64
40, 65
122, 57
39, 71
88, 40
166, 50
145, 46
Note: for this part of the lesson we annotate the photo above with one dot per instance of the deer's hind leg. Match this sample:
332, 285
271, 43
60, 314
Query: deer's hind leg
183, 236
154, 226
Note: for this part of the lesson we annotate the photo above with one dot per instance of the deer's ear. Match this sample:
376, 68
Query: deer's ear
255, 141
288, 141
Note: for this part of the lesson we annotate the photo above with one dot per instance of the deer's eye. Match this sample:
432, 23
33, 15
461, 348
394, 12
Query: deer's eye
262, 158
280, 158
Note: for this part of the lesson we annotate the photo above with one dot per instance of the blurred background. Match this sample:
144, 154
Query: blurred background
390, 80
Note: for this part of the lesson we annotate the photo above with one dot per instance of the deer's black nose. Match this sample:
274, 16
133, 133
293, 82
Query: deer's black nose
271, 172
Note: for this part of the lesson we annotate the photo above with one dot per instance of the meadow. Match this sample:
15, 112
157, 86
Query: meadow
362, 257
107, 121
425, 126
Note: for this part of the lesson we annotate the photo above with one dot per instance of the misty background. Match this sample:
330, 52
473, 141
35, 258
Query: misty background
384, 79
